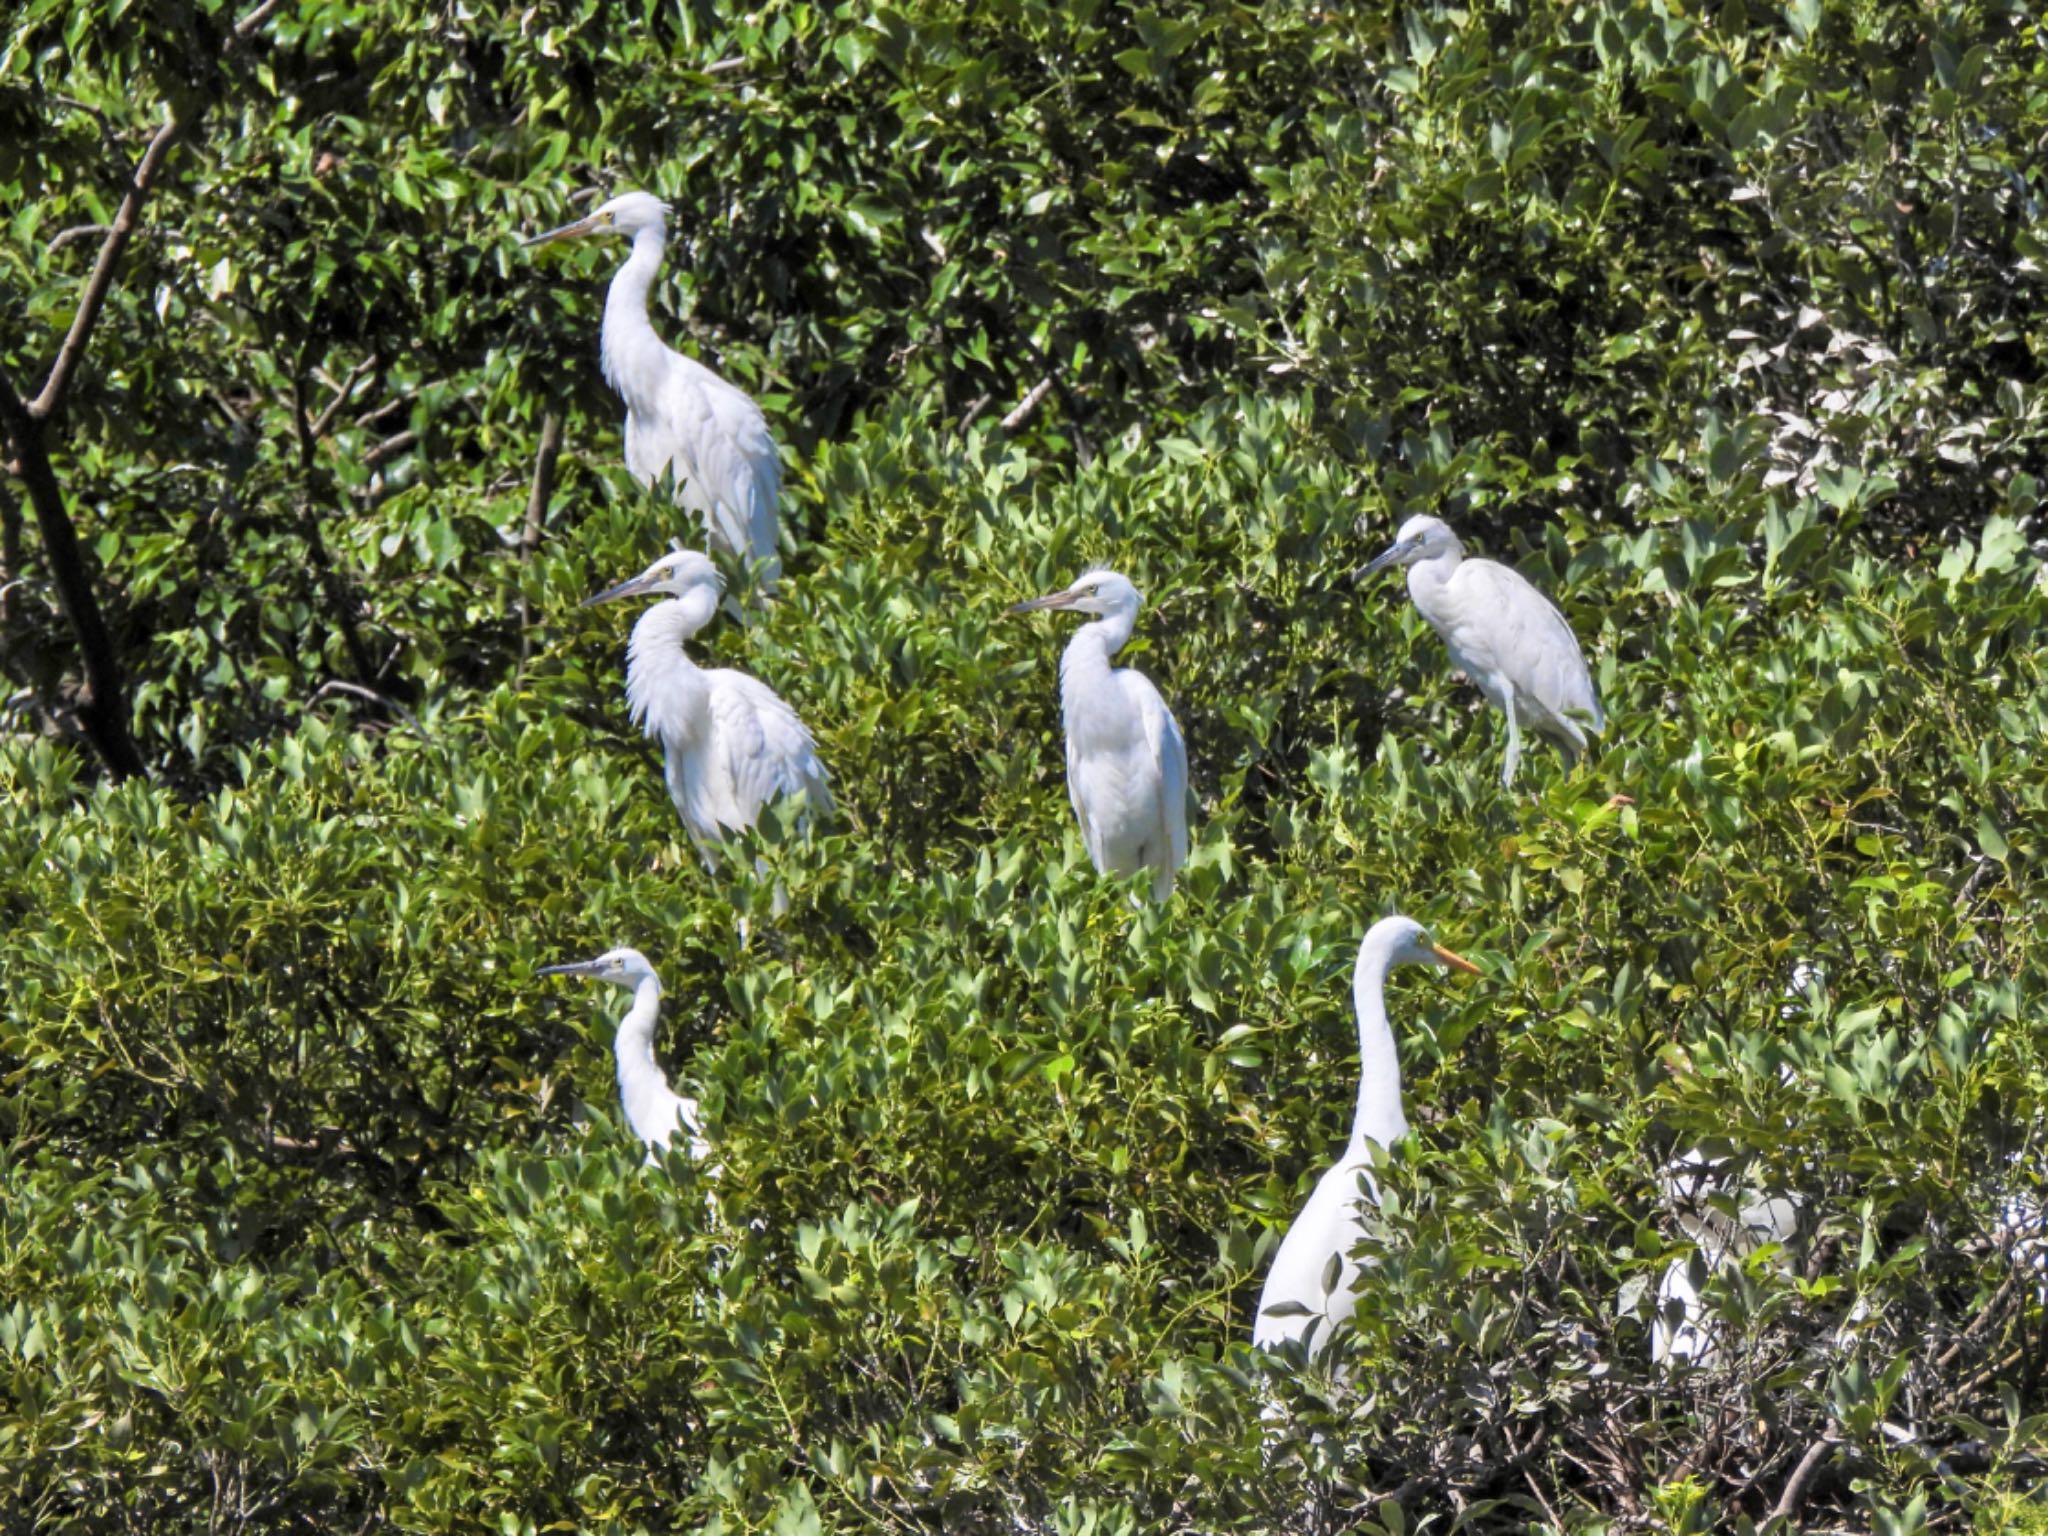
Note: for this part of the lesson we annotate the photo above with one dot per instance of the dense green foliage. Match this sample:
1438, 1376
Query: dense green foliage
1727, 328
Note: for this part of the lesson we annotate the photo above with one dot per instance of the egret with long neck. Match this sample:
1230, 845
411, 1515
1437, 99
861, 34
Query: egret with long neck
1504, 635
1306, 1298
682, 420
1127, 767
729, 743
654, 1110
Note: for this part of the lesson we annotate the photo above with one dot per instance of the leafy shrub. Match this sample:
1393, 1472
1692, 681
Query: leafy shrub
317, 1212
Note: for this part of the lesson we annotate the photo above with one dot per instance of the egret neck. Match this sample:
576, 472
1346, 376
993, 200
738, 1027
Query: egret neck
665, 690
631, 354
1085, 677
1427, 579
643, 1086
1379, 1116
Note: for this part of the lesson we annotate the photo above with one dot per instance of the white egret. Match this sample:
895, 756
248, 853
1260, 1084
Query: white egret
1311, 1290
654, 1110
729, 743
1503, 634
1726, 1223
681, 418
1127, 767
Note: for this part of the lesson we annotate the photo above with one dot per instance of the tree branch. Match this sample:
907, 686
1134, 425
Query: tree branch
543, 481
105, 714
536, 517
1801, 1480
102, 278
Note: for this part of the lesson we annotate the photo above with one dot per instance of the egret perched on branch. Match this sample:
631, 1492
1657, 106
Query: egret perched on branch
1311, 1289
730, 744
654, 1110
681, 418
1127, 767
1503, 634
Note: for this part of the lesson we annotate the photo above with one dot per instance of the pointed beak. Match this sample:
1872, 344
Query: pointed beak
587, 225
1458, 962
573, 968
632, 586
1394, 554
1040, 604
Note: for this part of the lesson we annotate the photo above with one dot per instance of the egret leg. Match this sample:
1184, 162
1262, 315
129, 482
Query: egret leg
1514, 757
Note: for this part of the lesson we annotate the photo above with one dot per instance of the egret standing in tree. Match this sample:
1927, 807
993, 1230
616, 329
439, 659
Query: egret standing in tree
681, 418
1503, 634
1127, 767
654, 1110
729, 743
1311, 1290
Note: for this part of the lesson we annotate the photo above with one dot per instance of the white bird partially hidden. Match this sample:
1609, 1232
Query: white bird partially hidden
1726, 1222
1312, 1288
682, 420
1127, 767
1503, 634
729, 743
654, 1110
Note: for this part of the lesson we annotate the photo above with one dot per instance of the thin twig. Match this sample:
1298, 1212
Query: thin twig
390, 448
974, 408
1028, 406
341, 393
255, 19
64, 237
371, 695
1991, 1309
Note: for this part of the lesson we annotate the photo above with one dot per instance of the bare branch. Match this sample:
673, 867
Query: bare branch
391, 447
1028, 406
102, 277
974, 408
105, 715
342, 391
1800, 1483
64, 237
249, 23
543, 481
371, 696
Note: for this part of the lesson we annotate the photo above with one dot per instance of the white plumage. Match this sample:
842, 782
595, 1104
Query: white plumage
729, 743
1127, 767
682, 420
654, 1110
1503, 634
1311, 1290
1698, 1187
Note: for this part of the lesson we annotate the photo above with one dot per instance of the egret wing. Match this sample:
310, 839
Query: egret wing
1530, 640
715, 443
760, 749
1170, 753
740, 471
1077, 796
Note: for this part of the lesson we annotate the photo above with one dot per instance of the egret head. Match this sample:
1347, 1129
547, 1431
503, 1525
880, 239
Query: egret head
679, 573
626, 967
1420, 538
1099, 592
1406, 942
626, 214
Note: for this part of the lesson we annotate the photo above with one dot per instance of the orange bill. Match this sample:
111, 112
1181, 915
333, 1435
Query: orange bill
1455, 960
